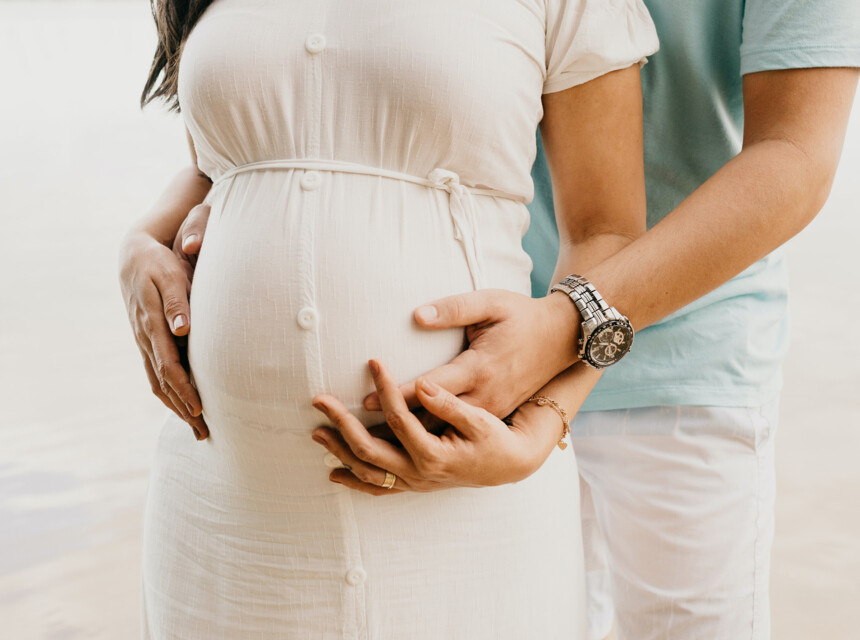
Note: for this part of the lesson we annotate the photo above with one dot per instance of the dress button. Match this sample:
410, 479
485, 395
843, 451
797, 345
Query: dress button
307, 318
355, 576
311, 181
315, 43
332, 461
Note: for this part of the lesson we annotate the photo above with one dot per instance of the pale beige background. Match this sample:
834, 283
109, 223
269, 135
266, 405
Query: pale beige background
79, 162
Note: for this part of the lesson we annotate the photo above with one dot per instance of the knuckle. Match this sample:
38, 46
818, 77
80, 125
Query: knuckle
174, 373
395, 420
146, 324
173, 304
432, 468
364, 451
161, 372
482, 375
363, 474
449, 404
458, 307
340, 418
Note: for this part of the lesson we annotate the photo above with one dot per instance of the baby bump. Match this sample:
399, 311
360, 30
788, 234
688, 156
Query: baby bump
296, 289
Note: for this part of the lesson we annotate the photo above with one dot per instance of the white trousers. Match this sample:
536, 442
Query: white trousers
677, 513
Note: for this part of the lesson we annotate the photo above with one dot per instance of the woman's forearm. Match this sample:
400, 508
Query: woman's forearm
187, 189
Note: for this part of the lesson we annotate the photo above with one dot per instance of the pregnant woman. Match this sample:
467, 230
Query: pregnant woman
367, 157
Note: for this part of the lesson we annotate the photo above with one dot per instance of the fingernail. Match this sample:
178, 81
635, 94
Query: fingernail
427, 313
187, 240
190, 408
319, 406
430, 388
318, 438
374, 367
371, 403
179, 322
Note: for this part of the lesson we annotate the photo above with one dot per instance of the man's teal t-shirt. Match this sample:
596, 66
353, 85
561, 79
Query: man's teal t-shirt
726, 348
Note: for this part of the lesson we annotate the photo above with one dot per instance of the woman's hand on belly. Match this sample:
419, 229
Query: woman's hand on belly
476, 449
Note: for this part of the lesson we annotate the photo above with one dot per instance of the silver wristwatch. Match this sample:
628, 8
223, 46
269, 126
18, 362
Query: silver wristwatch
606, 334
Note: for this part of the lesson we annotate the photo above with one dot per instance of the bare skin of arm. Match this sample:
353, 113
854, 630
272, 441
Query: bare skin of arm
794, 132
593, 142
155, 280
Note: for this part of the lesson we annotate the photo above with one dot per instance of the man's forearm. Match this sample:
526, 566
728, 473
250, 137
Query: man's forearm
753, 205
187, 189
795, 124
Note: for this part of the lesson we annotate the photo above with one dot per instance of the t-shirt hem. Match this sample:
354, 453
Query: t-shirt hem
682, 395
799, 58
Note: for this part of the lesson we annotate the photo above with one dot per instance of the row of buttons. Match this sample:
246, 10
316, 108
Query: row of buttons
308, 317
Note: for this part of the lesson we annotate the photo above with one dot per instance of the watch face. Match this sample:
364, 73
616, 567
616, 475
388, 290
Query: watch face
609, 342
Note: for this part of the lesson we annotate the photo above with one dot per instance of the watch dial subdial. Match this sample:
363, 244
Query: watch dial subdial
608, 344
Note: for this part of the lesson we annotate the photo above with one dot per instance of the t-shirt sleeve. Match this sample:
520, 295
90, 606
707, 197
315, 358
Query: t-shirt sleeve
798, 34
588, 38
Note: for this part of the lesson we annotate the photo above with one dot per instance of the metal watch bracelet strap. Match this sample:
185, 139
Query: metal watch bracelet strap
607, 335
586, 298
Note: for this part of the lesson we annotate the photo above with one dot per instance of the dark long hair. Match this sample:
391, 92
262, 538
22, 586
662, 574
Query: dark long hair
174, 20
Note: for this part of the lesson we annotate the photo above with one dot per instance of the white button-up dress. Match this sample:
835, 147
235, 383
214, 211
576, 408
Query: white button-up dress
367, 157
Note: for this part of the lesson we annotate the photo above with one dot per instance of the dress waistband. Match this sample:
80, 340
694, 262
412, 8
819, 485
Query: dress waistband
461, 202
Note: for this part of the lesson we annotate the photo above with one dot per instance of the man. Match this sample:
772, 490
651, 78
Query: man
746, 106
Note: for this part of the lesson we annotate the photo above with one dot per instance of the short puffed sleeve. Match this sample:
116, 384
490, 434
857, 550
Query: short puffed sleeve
587, 38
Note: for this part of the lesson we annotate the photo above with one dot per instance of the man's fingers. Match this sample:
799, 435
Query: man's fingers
470, 421
168, 366
464, 309
193, 229
173, 291
458, 376
170, 400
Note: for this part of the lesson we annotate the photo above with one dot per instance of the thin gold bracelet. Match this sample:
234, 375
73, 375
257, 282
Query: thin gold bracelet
544, 400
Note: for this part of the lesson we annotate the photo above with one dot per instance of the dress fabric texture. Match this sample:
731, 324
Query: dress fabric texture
367, 158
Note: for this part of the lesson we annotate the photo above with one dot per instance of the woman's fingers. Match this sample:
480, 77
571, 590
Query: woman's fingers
408, 429
336, 444
357, 441
347, 479
471, 422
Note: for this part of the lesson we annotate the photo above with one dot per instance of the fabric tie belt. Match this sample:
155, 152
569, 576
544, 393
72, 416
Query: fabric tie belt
461, 198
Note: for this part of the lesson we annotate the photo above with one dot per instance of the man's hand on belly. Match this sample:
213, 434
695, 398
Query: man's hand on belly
516, 345
474, 449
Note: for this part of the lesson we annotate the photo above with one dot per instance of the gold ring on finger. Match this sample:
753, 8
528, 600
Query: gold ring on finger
390, 479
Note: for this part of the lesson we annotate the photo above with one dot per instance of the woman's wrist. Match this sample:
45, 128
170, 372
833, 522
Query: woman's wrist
564, 327
541, 425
